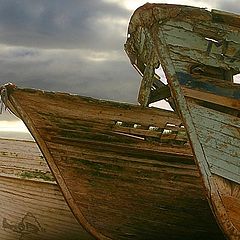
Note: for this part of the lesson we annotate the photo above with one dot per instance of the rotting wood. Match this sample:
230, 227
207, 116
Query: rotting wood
200, 52
31, 203
120, 185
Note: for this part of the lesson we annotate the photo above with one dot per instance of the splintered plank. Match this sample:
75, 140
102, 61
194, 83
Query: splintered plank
184, 42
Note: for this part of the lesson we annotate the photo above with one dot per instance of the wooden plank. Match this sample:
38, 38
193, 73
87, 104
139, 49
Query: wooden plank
218, 87
107, 119
223, 172
23, 160
30, 199
159, 94
107, 111
217, 154
224, 168
117, 160
181, 34
38, 204
221, 137
216, 31
212, 98
226, 18
218, 125
221, 117
139, 156
233, 207
185, 42
209, 136
231, 197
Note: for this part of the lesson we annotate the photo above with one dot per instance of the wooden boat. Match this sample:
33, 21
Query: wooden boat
199, 52
31, 203
121, 171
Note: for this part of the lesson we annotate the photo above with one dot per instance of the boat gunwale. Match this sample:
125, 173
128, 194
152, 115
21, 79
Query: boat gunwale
140, 20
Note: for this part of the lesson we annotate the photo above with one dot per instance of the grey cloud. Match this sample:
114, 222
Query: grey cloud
61, 23
109, 77
72, 46
70, 71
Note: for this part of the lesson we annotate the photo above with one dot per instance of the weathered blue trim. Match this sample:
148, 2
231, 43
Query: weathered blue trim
193, 83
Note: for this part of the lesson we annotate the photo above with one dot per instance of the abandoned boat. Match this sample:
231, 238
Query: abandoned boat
32, 206
127, 172
199, 52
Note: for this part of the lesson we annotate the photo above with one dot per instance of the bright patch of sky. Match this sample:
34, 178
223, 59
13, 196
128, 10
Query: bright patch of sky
236, 79
12, 126
133, 4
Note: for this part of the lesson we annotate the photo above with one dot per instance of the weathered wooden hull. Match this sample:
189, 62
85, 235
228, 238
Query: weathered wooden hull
199, 52
32, 206
123, 176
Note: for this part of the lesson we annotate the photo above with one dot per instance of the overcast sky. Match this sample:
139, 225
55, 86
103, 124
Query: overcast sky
73, 45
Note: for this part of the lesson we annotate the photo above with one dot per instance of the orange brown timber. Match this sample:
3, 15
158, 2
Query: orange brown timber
119, 178
31, 204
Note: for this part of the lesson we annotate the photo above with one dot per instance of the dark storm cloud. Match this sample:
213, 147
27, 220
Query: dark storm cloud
106, 75
61, 23
103, 75
100, 76
73, 46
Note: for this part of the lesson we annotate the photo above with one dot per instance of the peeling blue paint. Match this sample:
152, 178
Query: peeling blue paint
189, 81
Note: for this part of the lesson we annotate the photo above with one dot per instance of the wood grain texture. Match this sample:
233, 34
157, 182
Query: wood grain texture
199, 61
31, 204
230, 194
220, 141
211, 98
125, 184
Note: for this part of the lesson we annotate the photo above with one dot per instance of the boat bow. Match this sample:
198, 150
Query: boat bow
199, 52
123, 169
